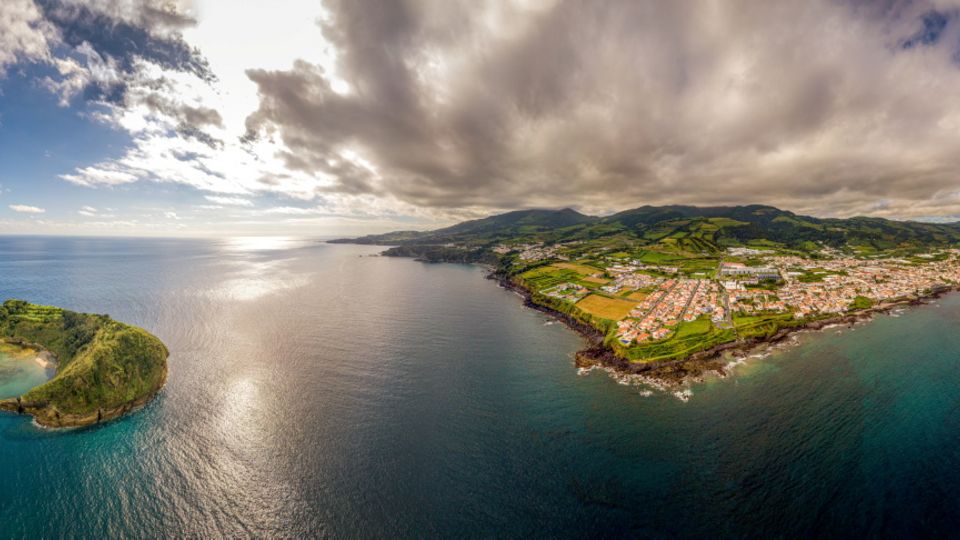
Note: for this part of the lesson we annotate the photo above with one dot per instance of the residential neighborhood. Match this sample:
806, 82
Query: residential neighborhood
650, 302
803, 287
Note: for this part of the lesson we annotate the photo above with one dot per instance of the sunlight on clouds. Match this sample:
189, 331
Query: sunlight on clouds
211, 157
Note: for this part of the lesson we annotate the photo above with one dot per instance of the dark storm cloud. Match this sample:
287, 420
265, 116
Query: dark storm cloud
126, 42
818, 106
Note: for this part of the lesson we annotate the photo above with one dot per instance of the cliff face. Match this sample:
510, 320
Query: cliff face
105, 368
47, 414
434, 253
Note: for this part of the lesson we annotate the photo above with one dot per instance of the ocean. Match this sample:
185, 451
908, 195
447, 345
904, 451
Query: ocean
317, 390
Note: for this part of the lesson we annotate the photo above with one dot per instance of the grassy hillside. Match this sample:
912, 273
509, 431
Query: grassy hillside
517, 224
104, 366
685, 229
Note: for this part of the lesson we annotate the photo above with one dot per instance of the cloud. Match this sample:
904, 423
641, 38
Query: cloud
125, 34
816, 106
24, 34
828, 107
229, 201
181, 130
107, 174
26, 209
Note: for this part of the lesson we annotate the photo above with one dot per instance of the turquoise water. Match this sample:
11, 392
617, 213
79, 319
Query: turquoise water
316, 391
19, 372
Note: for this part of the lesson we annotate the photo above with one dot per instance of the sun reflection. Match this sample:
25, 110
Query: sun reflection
238, 413
259, 278
263, 243
253, 288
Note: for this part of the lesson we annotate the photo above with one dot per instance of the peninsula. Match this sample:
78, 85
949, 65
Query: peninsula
104, 368
665, 290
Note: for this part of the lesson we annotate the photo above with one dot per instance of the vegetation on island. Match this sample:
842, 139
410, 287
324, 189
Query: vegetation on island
104, 367
615, 273
689, 229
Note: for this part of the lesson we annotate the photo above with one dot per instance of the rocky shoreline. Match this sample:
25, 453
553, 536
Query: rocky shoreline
47, 415
675, 374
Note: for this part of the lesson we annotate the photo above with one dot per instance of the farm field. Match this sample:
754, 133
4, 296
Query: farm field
547, 276
613, 309
576, 267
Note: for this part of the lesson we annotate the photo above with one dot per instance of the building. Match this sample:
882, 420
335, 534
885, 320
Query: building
742, 270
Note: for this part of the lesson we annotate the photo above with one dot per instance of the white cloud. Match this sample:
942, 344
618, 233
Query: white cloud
229, 201
106, 174
292, 211
24, 34
172, 141
26, 209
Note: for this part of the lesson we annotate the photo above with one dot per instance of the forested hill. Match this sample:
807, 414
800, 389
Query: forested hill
105, 368
691, 228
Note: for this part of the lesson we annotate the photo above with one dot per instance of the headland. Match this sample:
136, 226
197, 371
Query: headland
104, 368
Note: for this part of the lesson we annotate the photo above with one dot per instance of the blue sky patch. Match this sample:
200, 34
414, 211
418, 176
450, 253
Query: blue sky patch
934, 23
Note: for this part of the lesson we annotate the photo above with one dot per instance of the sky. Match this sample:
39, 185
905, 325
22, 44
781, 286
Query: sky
296, 117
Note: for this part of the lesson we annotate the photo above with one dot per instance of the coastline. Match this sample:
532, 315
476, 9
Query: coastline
47, 416
673, 375
44, 358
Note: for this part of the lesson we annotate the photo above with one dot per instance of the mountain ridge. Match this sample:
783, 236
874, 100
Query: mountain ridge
693, 228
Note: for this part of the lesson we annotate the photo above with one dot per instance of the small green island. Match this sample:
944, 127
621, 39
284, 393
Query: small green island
104, 368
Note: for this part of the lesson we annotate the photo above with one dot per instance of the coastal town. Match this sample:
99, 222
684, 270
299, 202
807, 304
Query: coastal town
650, 304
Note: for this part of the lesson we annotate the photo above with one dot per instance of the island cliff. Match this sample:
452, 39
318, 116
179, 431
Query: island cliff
104, 368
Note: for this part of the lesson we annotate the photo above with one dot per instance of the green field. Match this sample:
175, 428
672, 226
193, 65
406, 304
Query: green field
748, 326
544, 277
689, 337
579, 268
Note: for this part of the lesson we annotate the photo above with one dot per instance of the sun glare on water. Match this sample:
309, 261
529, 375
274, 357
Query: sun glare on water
262, 243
